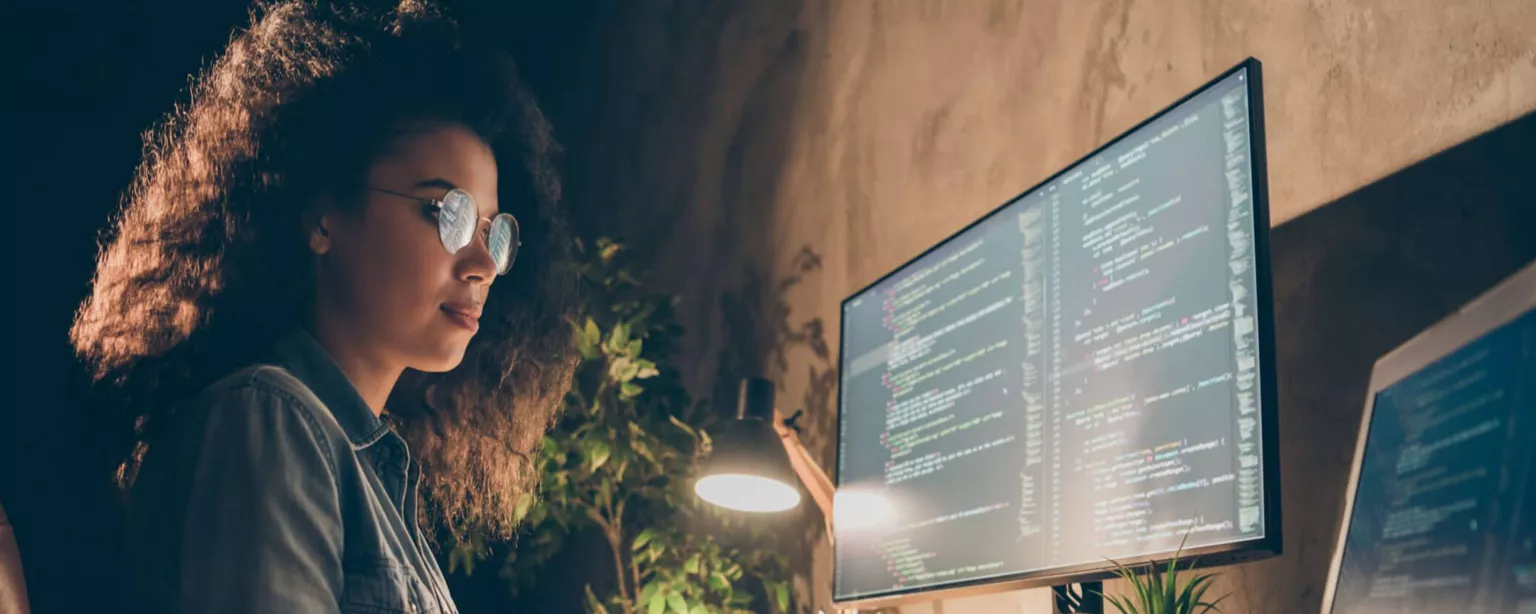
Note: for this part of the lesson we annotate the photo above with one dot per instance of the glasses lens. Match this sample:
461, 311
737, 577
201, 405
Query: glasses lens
503, 242
456, 220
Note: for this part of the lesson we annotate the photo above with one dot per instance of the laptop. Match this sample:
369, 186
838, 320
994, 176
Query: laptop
1440, 513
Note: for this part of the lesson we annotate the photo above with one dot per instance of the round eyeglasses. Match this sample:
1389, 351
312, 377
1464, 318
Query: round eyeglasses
458, 217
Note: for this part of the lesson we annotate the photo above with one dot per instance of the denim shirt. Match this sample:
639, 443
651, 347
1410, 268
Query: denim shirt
279, 490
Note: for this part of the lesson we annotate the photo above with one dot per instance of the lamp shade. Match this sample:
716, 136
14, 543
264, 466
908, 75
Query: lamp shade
748, 469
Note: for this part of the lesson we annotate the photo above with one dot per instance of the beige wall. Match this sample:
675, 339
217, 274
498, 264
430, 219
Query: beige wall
735, 135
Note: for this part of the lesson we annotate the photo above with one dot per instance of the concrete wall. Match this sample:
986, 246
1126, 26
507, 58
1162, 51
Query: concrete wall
744, 143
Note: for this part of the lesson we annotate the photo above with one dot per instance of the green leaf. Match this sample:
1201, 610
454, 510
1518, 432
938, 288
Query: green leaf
630, 390
645, 369
678, 605
605, 492
619, 367
644, 451
597, 454
781, 595
657, 605
679, 424
461, 557
648, 593
692, 564
698, 609
594, 605
524, 501
607, 250
642, 539
718, 581
620, 466
633, 350
590, 336
619, 338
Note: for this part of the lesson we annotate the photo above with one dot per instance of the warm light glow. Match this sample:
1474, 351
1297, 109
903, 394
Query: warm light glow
747, 493
852, 510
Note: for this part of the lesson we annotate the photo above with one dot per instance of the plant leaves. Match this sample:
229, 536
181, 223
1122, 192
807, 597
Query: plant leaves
590, 336
619, 369
781, 595
461, 557
680, 424
643, 538
594, 606
648, 594
597, 454
619, 338
524, 501
611, 445
607, 250
645, 368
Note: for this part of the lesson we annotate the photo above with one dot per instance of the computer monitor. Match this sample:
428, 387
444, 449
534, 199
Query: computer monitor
1084, 373
1440, 514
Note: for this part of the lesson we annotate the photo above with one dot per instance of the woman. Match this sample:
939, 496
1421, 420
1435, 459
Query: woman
339, 273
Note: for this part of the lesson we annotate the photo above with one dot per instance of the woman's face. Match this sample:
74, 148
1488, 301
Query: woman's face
385, 279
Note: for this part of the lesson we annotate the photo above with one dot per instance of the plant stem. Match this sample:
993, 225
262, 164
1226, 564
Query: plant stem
612, 530
618, 567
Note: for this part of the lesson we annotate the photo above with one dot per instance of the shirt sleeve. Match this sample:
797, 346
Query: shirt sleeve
263, 530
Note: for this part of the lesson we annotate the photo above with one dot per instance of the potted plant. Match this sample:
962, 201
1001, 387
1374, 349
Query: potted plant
1157, 589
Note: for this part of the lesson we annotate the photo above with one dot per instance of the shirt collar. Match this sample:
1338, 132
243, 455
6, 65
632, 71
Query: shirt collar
302, 355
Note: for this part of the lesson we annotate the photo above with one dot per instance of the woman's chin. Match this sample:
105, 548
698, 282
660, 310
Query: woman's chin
446, 357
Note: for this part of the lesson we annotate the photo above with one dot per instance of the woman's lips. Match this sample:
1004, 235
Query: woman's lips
465, 316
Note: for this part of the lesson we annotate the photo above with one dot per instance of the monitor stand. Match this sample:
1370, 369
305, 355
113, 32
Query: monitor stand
1089, 597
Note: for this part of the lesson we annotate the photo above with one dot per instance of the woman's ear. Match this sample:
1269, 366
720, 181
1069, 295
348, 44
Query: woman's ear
318, 221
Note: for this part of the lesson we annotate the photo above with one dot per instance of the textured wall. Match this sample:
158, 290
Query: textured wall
745, 141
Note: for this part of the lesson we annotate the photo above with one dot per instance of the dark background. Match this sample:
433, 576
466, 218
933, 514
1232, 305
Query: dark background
84, 79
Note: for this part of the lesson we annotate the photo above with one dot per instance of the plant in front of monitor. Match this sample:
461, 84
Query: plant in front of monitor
619, 464
1158, 589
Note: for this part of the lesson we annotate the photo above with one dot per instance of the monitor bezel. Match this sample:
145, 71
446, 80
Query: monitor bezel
1270, 544
1500, 305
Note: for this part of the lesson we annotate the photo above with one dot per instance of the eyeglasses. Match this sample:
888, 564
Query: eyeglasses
457, 220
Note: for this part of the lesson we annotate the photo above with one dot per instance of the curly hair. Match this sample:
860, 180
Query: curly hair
205, 263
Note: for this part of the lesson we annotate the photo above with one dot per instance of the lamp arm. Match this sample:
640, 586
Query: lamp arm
810, 473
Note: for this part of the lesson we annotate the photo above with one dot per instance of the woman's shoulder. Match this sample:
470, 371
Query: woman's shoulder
260, 379
263, 397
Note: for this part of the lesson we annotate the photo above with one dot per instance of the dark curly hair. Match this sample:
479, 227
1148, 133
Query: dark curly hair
206, 262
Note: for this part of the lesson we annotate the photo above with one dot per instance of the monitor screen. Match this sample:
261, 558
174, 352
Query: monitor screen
1074, 377
1443, 518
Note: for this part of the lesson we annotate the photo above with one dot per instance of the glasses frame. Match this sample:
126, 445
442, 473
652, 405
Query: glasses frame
438, 203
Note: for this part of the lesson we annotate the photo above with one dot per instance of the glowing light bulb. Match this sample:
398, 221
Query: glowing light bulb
747, 493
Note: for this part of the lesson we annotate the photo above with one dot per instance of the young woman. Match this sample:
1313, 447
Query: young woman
339, 277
